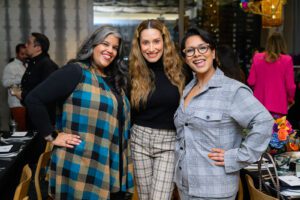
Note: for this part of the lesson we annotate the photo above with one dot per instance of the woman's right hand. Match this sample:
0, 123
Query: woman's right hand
66, 140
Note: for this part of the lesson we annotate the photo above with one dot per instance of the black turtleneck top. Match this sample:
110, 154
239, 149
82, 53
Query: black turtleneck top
161, 104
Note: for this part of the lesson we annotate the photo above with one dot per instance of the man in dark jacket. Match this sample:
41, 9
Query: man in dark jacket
40, 66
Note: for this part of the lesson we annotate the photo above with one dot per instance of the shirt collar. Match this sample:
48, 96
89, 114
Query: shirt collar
39, 57
18, 61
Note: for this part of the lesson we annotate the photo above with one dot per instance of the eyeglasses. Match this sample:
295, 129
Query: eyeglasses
191, 51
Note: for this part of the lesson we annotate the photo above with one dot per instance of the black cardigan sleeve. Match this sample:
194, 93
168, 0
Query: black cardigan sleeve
56, 87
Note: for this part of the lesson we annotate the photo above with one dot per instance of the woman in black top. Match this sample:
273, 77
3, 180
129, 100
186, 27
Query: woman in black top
157, 81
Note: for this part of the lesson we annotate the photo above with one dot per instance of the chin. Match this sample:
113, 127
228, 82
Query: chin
201, 70
152, 60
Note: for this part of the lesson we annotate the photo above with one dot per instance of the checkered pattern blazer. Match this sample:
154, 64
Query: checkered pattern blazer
215, 118
92, 169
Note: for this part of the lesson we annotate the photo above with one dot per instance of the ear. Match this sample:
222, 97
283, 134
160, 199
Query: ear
214, 54
38, 48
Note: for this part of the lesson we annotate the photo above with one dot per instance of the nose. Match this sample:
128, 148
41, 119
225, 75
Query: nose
110, 48
151, 47
197, 52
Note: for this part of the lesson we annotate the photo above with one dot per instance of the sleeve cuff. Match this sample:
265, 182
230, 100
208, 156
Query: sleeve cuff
49, 138
231, 163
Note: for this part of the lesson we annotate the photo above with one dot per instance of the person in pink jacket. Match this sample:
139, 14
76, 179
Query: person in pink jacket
272, 76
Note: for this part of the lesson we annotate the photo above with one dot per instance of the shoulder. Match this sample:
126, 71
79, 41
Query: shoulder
285, 57
259, 56
72, 68
12, 65
234, 86
53, 64
9, 65
46, 61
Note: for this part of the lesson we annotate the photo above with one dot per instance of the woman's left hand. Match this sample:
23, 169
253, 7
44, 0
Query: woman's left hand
217, 155
66, 140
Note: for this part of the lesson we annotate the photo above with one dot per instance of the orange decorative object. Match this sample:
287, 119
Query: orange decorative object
271, 13
292, 146
282, 135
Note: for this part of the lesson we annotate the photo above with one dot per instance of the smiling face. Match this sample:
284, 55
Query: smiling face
151, 44
200, 63
105, 52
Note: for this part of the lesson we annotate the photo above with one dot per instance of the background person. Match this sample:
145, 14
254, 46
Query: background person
213, 111
228, 62
40, 66
11, 78
91, 159
157, 81
272, 76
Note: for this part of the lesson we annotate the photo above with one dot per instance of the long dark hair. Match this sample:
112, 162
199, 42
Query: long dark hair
117, 71
228, 62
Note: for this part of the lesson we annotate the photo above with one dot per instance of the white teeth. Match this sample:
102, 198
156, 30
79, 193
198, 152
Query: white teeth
198, 61
106, 56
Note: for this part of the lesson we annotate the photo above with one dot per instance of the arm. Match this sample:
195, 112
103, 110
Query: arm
252, 74
249, 113
55, 87
9, 77
290, 82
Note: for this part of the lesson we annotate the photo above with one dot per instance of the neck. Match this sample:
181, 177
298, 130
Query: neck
202, 79
36, 54
157, 64
98, 70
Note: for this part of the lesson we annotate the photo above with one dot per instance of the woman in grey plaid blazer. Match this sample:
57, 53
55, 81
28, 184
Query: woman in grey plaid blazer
213, 111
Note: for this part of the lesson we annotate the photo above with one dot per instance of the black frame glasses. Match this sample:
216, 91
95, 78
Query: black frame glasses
202, 49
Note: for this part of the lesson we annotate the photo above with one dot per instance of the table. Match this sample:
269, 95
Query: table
11, 168
255, 176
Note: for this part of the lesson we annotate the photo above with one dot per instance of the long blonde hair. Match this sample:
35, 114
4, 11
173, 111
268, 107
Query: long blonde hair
275, 46
142, 78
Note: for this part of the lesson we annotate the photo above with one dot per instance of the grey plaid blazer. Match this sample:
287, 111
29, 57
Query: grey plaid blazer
215, 118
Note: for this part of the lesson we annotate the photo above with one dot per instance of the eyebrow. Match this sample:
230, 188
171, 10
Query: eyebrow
158, 38
203, 44
106, 42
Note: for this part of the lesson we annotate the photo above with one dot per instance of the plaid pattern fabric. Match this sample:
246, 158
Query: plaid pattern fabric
214, 119
91, 169
184, 195
153, 158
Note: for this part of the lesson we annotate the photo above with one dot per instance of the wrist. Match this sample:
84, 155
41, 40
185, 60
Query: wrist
52, 136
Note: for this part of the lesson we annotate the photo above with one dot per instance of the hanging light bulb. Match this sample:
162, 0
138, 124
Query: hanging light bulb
271, 12
273, 7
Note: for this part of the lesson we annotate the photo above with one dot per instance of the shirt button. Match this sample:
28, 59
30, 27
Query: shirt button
180, 168
207, 117
181, 148
186, 124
